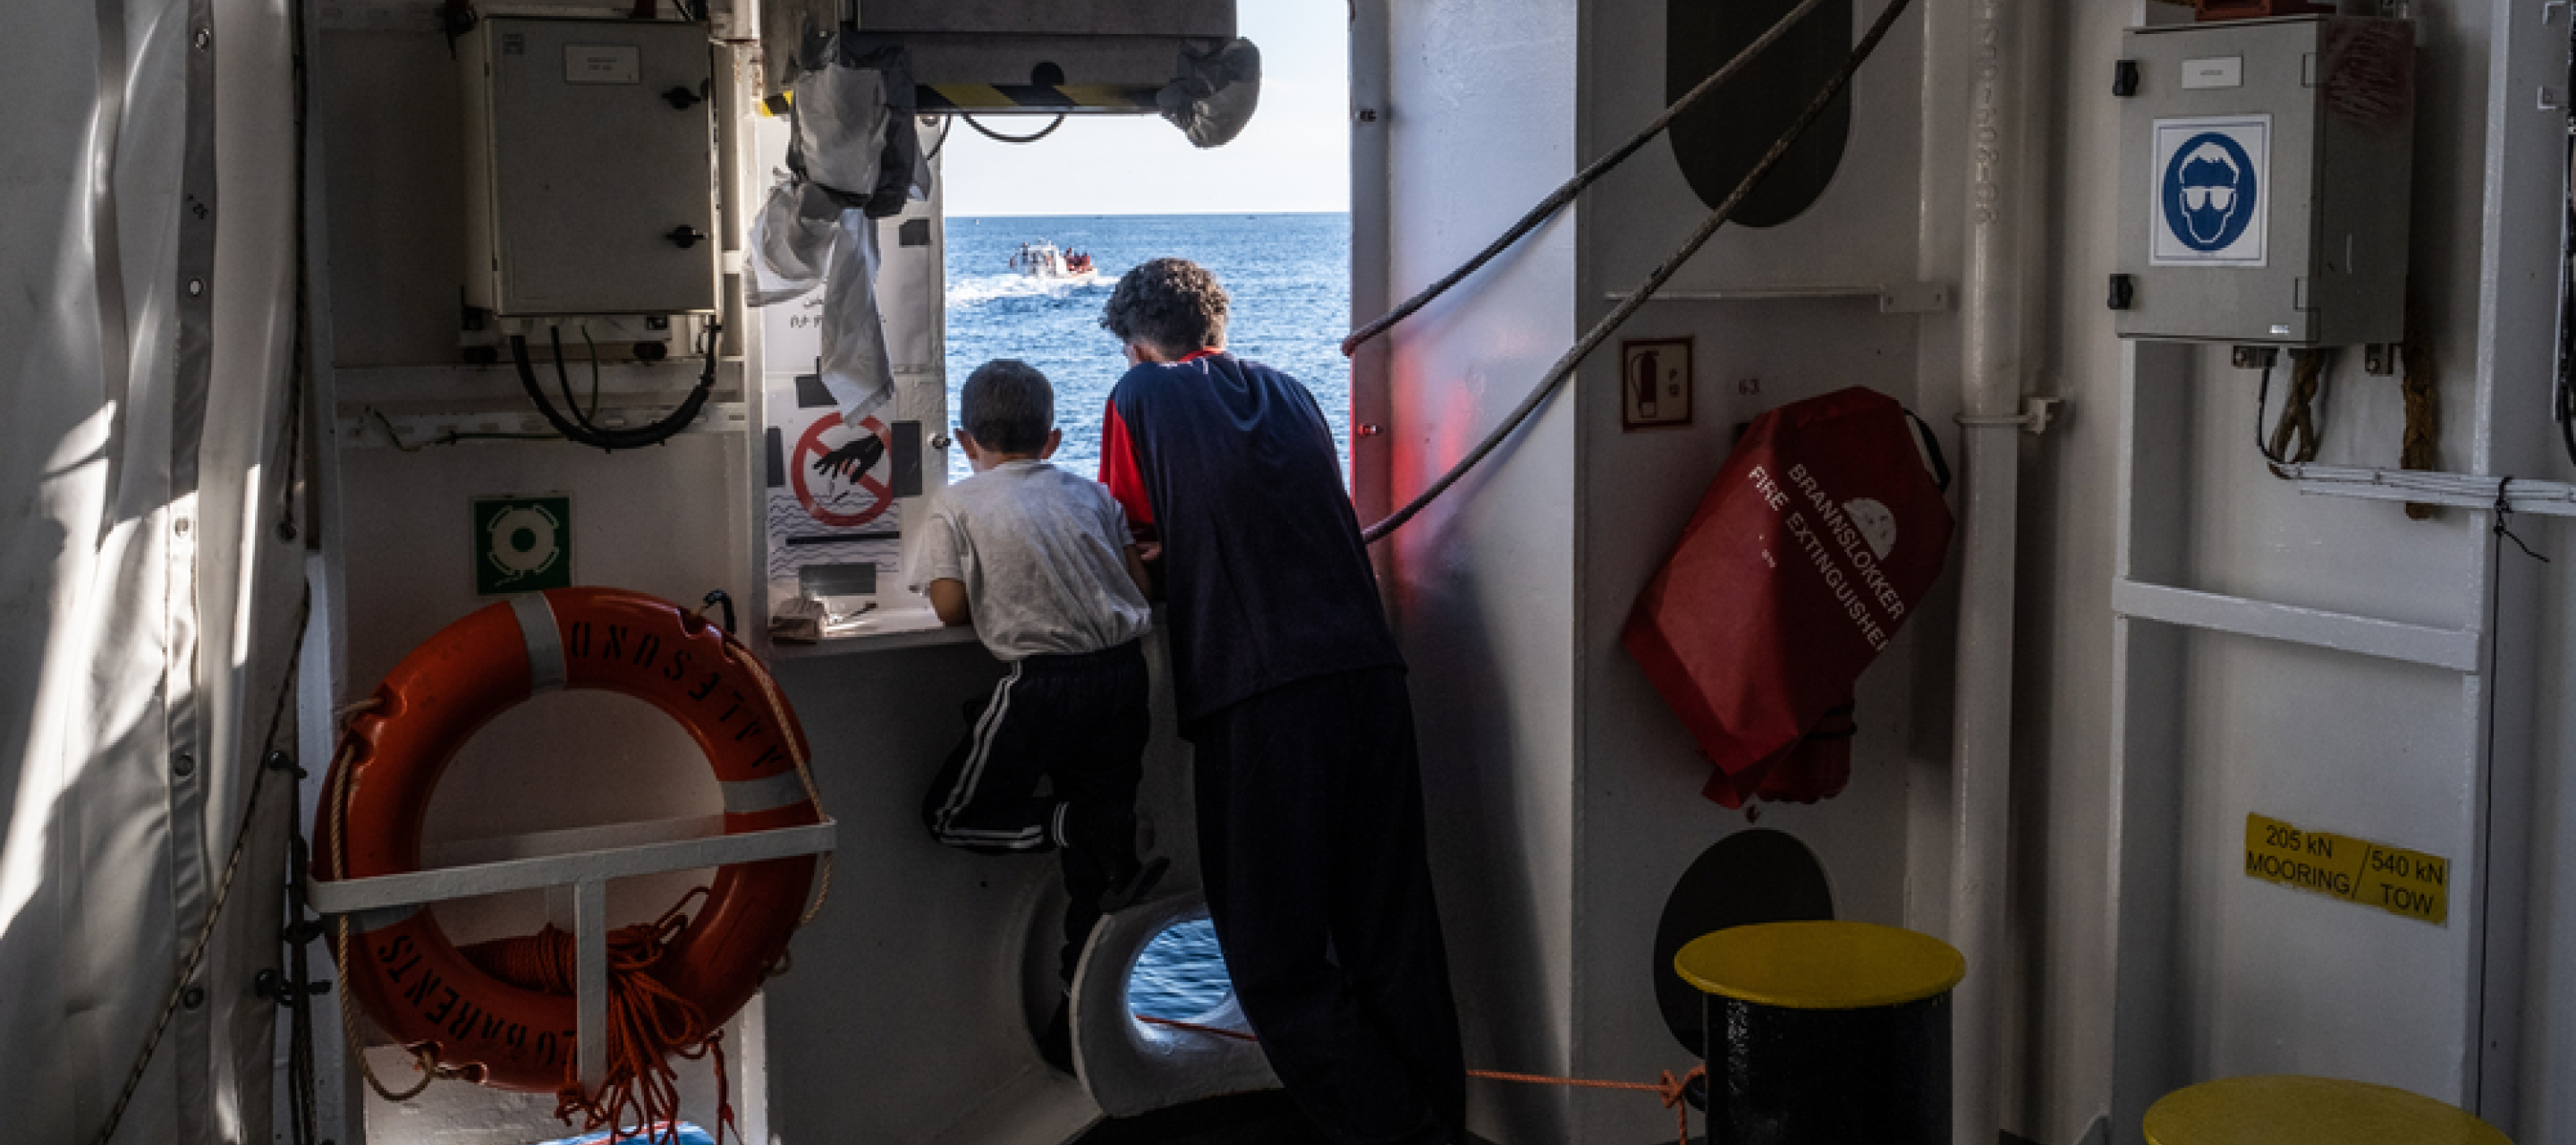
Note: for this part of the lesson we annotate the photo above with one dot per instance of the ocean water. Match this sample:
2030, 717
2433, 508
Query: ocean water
1288, 278
1180, 975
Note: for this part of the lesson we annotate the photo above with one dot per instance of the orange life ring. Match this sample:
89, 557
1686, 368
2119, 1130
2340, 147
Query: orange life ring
420, 989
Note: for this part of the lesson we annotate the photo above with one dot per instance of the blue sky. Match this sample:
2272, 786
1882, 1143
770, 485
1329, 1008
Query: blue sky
1294, 157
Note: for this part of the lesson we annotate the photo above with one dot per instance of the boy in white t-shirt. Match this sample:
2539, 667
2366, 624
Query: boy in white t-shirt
1041, 562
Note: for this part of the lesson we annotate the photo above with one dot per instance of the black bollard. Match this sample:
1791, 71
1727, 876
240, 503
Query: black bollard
1825, 1032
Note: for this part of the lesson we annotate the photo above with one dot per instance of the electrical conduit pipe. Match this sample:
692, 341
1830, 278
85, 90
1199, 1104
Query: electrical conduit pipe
2001, 162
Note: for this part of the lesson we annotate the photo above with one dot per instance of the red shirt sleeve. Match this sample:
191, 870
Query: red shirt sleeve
1121, 473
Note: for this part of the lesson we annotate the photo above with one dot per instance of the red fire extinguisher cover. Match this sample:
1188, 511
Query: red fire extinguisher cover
1805, 557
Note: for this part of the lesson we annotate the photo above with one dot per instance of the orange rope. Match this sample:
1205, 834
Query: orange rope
1669, 1088
647, 1022
1672, 1090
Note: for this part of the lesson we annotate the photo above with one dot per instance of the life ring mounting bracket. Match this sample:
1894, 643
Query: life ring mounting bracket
650, 848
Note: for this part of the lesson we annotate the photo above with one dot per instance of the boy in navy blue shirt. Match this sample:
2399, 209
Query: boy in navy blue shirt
1292, 690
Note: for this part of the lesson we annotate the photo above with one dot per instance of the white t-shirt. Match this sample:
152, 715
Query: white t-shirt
1043, 556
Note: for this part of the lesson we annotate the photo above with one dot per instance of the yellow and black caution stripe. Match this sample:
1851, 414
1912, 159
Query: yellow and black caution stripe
1058, 98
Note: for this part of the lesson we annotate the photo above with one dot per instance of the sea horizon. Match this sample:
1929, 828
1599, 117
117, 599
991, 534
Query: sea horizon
1156, 215
1287, 275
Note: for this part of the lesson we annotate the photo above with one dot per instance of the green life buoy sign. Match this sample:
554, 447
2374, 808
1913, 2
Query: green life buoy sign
522, 544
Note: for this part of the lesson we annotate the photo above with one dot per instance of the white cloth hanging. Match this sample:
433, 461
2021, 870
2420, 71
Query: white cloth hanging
852, 119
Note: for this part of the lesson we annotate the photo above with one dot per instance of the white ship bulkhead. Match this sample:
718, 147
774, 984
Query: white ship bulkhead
2145, 637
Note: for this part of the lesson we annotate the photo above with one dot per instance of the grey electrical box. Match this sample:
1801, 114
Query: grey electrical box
1077, 50
2265, 168
590, 168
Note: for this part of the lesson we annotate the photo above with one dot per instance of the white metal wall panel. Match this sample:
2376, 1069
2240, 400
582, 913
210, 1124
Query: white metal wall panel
2285, 981
1861, 233
911, 1005
393, 166
1642, 817
1481, 116
2422, 742
2256, 537
654, 521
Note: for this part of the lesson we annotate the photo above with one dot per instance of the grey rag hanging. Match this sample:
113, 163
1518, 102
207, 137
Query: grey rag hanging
853, 157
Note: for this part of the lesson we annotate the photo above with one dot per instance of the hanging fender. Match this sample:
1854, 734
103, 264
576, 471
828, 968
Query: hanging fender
419, 987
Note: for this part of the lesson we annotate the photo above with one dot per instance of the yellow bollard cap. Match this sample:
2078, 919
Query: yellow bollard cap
1820, 965
2291, 1110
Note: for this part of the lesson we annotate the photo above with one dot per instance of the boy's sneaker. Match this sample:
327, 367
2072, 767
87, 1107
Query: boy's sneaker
1139, 882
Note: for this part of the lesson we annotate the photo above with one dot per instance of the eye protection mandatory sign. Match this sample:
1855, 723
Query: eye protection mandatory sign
2211, 177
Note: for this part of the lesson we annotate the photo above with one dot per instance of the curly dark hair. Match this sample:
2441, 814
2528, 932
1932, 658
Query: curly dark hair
1173, 303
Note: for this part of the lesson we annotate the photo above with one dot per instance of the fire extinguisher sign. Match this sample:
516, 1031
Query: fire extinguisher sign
1655, 381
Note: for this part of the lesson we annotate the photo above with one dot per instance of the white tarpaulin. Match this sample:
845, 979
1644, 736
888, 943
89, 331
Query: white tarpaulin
148, 587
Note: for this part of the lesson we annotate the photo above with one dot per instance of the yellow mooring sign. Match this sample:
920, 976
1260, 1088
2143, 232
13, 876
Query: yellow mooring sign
2394, 879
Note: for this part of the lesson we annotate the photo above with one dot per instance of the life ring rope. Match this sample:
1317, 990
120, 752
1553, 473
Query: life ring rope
424, 1058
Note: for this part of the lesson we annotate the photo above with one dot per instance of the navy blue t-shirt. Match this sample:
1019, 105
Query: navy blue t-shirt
1232, 466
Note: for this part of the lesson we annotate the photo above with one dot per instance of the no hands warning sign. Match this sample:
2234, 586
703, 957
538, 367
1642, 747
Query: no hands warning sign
834, 472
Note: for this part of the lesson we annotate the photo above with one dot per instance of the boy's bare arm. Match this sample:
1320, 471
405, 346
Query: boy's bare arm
948, 599
1136, 570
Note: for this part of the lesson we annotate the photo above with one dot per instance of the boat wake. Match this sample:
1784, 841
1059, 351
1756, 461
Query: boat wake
972, 291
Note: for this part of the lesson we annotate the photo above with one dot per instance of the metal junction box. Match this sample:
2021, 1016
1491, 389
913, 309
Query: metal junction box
1078, 48
2265, 167
590, 168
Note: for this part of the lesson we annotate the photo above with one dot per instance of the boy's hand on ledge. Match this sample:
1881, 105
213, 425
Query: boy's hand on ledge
948, 599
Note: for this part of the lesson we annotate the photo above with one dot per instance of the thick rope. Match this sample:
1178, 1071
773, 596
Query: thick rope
2298, 414
1565, 193
2421, 385
1672, 264
647, 1023
424, 1058
1673, 1091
